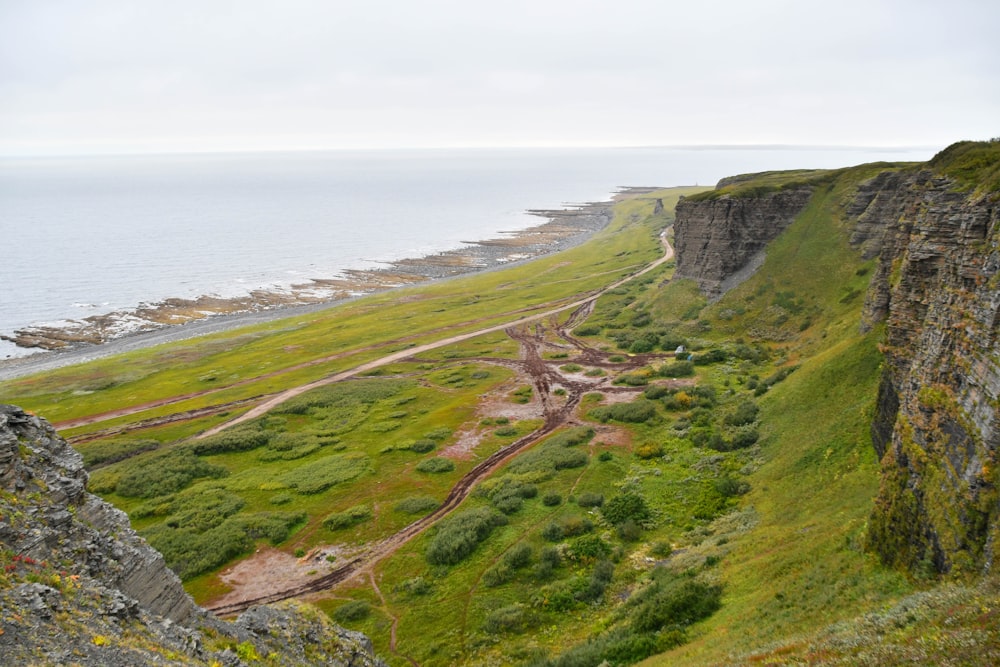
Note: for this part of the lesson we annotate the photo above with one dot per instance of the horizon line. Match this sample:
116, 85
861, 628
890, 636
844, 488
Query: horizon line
376, 149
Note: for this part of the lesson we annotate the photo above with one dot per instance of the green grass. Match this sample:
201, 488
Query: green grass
761, 537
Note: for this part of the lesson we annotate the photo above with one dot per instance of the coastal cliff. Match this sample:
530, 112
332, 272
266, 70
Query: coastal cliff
720, 240
937, 424
79, 586
933, 231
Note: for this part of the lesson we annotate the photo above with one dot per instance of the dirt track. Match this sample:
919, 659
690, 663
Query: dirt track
530, 333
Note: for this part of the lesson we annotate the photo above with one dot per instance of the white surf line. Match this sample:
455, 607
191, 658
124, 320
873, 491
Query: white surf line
289, 394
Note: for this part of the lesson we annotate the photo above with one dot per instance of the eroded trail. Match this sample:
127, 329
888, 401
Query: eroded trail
557, 411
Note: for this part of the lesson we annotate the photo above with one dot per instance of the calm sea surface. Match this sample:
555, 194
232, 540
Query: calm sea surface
83, 236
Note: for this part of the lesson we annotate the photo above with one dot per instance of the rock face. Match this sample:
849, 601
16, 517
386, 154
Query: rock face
79, 586
720, 241
937, 427
936, 289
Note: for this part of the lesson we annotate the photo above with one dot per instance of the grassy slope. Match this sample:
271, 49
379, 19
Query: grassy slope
789, 555
802, 567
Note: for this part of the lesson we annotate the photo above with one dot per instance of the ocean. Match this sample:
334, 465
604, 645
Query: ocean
88, 235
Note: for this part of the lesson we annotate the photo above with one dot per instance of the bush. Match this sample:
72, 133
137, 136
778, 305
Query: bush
162, 474
349, 517
552, 500
711, 357
417, 505
641, 346
632, 380
517, 558
676, 369
655, 391
649, 450
512, 618
352, 611
328, 471
422, 446
344, 394
236, 440
190, 553
436, 464
588, 548
598, 582
745, 413
670, 601
107, 452
636, 412
589, 499
629, 531
729, 487
587, 330
625, 506
458, 535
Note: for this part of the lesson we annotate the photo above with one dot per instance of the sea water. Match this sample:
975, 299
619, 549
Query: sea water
88, 235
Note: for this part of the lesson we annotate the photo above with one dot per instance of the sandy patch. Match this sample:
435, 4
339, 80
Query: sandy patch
271, 571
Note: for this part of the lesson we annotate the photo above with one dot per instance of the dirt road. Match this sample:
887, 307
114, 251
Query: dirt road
557, 412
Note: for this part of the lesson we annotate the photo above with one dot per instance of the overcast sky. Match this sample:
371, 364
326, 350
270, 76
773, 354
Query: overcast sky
110, 76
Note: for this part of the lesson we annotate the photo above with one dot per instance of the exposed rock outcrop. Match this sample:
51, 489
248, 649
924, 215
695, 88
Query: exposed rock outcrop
79, 586
721, 241
937, 427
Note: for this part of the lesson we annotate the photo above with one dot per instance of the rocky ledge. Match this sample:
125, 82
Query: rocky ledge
79, 586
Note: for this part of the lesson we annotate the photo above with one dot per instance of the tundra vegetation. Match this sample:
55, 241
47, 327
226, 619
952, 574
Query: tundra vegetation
697, 506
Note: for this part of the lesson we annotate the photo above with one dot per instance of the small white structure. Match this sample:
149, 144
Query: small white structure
679, 351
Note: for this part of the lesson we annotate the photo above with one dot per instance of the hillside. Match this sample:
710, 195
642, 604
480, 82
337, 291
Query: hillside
780, 447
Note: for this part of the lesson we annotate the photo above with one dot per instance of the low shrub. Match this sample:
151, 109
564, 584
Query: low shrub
417, 505
164, 473
649, 450
356, 610
104, 452
635, 412
590, 499
676, 369
625, 506
745, 413
435, 465
552, 500
234, 440
457, 536
512, 618
588, 548
328, 471
349, 517
422, 446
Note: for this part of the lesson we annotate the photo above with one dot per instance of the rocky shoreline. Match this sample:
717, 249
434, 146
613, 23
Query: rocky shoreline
176, 319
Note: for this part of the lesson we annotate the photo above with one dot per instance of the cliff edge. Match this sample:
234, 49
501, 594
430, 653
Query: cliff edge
937, 426
932, 232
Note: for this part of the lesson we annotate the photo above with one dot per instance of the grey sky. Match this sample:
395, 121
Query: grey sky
86, 76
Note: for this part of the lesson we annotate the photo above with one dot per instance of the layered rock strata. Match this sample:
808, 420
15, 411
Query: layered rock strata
721, 241
937, 426
79, 586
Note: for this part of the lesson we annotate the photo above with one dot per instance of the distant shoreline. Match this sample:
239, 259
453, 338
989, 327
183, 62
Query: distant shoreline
564, 229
